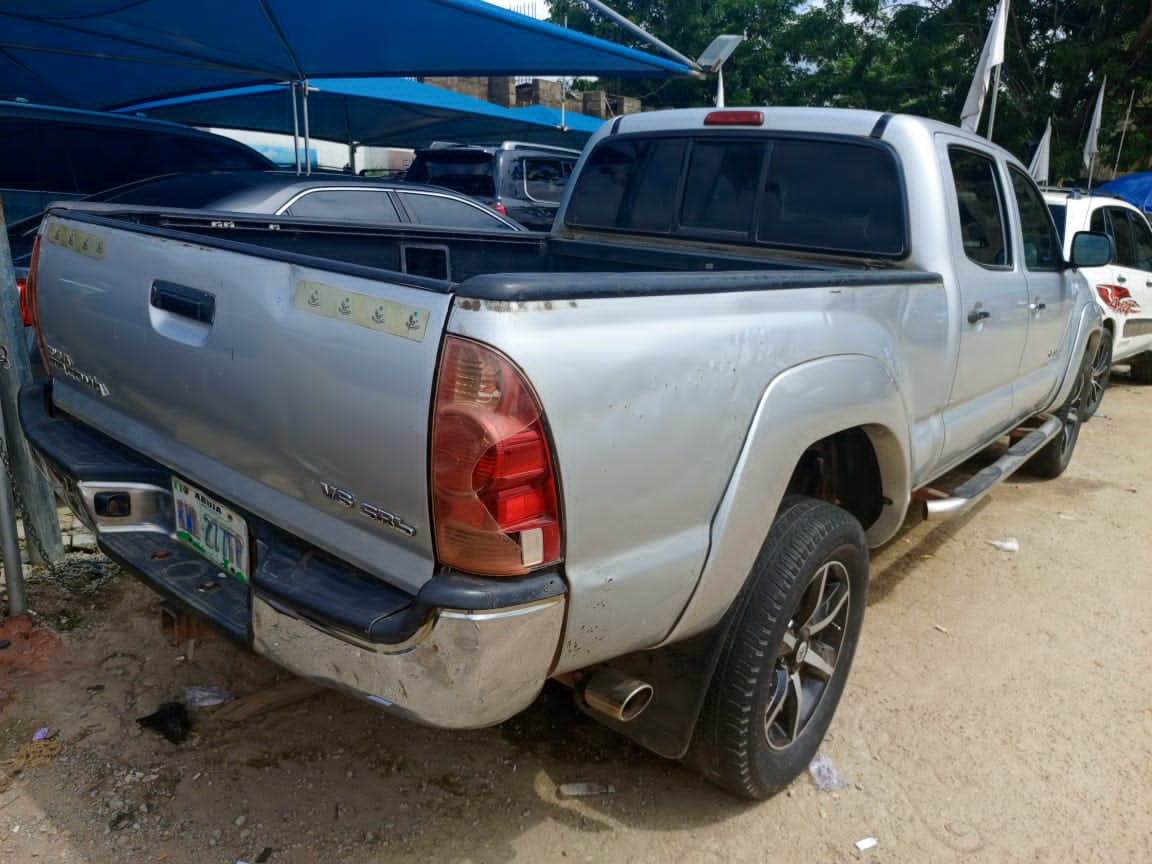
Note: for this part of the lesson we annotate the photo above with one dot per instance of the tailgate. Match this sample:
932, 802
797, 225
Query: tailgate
297, 392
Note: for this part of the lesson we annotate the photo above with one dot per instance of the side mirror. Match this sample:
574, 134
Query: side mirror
1090, 249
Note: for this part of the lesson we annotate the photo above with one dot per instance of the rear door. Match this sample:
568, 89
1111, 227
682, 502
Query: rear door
1127, 291
993, 313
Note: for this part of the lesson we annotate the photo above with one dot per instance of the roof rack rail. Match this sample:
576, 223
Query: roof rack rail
528, 145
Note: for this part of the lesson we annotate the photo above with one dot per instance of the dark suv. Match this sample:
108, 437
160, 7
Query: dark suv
524, 181
47, 154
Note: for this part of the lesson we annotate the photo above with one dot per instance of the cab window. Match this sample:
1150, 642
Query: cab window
981, 208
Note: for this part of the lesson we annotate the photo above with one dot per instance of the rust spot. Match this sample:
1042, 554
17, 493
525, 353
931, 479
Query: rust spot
572, 304
498, 306
548, 305
161, 555
470, 305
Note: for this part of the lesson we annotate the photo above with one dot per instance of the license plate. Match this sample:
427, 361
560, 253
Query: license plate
213, 530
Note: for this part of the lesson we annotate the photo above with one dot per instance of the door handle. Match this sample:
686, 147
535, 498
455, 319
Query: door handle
1037, 307
1121, 278
184, 301
978, 315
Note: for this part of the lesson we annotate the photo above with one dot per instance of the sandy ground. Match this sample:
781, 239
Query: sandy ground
1000, 710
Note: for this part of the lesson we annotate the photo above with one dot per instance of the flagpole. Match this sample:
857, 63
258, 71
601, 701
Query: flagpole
1123, 132
992, 107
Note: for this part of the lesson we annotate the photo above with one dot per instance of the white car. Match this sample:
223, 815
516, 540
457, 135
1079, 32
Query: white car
1123, 288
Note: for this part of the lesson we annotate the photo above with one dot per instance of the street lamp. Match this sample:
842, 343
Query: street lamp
712, 60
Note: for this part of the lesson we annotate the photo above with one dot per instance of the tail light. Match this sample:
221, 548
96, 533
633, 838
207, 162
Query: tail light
494, 502
498, 207
730, 117
21, 287
31, 304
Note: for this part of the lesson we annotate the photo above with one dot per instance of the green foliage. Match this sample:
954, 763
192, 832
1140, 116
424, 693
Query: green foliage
914, 56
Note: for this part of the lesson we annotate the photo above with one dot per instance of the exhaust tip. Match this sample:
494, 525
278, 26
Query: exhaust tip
617, 694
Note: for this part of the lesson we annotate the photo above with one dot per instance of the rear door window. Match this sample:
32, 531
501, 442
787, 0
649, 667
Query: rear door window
1122, 233
349, 205
981, 205
630, 185
442, 211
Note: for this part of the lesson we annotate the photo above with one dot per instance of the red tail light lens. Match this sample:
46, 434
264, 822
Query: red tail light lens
498, 207
494, 502
21, 287
30, 304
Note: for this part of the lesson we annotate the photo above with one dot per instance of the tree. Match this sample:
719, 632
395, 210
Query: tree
914, 56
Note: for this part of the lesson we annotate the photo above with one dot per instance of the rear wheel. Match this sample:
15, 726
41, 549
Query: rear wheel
789, 648
1099, 375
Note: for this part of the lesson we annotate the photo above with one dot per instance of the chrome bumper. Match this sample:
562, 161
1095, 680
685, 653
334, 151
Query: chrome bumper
465, 670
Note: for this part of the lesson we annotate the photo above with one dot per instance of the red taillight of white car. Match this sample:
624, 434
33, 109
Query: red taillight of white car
494, 497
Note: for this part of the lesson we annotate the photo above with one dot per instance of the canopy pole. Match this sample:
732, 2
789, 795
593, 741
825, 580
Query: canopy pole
307, 135
295, 126
640, 32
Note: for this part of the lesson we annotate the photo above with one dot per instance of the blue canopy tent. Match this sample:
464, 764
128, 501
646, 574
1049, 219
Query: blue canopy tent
1134, 188
374, 111
106, 54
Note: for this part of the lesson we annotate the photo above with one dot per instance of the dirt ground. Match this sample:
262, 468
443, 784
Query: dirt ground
1000, 710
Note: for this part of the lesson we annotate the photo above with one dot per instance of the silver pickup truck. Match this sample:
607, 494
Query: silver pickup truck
644, 454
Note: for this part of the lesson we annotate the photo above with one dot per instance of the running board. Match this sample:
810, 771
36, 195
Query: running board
979, 484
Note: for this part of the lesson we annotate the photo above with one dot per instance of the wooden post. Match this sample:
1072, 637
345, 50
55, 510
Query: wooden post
31, 488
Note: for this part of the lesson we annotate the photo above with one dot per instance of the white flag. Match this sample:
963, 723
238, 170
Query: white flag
1038, 167
1091, 146
991, 56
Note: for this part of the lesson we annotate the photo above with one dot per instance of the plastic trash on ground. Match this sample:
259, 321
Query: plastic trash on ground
205, 697
583, 790
825, 775
1009, 545
866, 843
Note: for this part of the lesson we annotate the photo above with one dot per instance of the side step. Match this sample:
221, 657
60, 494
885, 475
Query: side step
965, 496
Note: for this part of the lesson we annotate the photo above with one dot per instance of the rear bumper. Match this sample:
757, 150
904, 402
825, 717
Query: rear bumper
462, 653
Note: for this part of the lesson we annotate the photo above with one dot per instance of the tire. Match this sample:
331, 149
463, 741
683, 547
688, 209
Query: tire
1098, 376
1051, 461
1141, 368
755, 732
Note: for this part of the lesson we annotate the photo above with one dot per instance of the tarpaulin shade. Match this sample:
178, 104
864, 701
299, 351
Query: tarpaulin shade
374, 111
105, 54
1134, 188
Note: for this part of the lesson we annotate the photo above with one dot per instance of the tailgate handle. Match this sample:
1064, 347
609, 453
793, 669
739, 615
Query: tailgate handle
184, 301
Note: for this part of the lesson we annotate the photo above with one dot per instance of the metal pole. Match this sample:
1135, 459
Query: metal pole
295, 126
9, 542
720, 86
636, 30
992, 109
307, 131
30, 487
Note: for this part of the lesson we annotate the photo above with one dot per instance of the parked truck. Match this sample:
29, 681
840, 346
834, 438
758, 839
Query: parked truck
645, 454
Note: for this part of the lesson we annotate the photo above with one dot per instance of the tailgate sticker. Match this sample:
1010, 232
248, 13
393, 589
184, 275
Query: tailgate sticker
387, 316
76, 240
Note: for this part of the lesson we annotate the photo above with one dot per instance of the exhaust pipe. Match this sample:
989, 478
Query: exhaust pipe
617, 694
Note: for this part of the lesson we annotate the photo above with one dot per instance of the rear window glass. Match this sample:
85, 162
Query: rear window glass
543, 178
820, 194
467, 171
